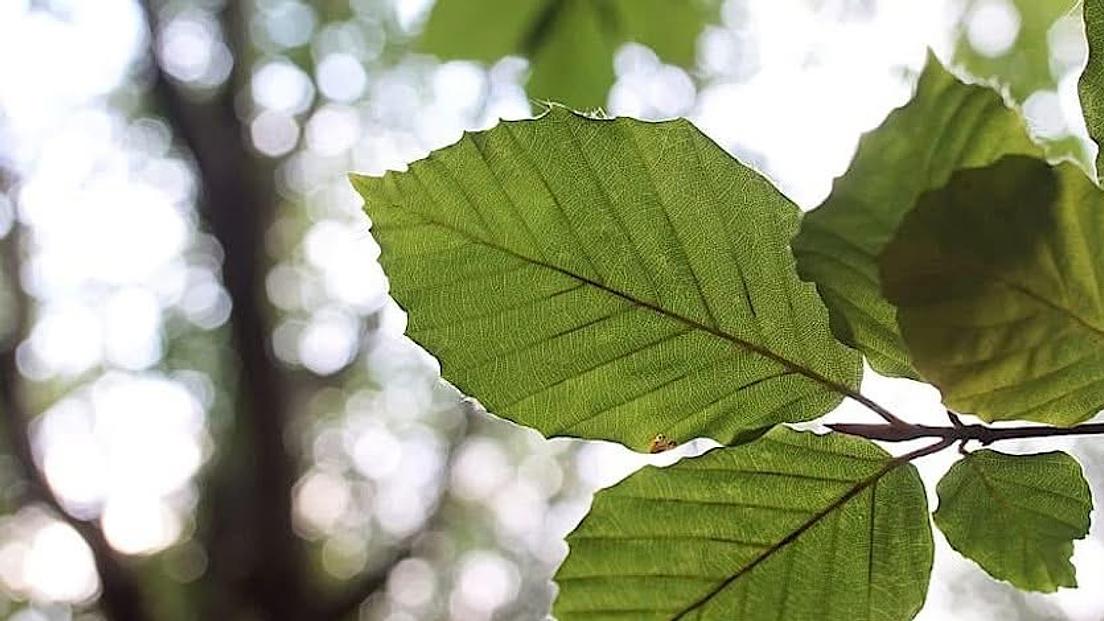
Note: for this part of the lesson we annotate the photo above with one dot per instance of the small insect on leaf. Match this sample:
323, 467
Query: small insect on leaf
661, 443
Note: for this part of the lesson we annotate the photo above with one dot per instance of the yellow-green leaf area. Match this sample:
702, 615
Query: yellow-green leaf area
998, 279
947, 125
1091, 85
608, 279
792, 526
1017, 516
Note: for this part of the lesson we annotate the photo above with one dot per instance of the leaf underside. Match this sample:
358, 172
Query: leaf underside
999, 283
947, 125
1091, 86
570, 43
1016, 515
608, 279
791, 526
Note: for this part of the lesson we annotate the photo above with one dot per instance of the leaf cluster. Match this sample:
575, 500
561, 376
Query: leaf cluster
612, 279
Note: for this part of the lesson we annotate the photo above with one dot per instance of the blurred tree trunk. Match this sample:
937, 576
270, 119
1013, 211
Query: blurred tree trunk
256, 560
257, 564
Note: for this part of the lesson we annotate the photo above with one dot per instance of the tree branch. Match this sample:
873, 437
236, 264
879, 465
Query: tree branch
121, 597
960, 432
924, 451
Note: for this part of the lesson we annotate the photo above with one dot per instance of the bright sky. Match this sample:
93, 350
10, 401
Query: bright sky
110, 210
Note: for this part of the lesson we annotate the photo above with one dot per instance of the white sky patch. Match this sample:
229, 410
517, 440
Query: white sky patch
992, 27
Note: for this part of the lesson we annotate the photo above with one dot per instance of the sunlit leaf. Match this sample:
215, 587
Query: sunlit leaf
998, 282
1017, 515
608, 279
1091, 86
570, 43
946, 126
791, 526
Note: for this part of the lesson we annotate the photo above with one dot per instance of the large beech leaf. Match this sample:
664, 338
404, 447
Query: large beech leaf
608, 279
570, 43
791, 526
1017, 515
998, 282
947, 125
1091, 86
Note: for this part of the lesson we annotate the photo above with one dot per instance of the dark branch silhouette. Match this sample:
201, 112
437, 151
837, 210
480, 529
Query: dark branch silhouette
982, 434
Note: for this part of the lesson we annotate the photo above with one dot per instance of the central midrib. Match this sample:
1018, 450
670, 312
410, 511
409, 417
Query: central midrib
788, 364
858, 488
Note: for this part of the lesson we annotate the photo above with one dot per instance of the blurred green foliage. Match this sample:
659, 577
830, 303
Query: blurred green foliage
569, 43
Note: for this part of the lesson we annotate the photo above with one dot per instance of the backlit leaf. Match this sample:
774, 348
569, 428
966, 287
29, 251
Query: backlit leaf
608, 279
947, 125
1091, 86
998, 282
791, 526
1017, 515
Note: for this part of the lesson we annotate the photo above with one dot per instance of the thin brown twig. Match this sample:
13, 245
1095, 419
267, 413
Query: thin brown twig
889, 417
924, 451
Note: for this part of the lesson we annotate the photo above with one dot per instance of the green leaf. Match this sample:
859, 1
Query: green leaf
569, 42
791, 526
608, 279
947, 125
1091, 86
998, 282
1016, 515
572, 60
481, 30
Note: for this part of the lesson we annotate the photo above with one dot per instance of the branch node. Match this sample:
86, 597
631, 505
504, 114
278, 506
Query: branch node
962, 450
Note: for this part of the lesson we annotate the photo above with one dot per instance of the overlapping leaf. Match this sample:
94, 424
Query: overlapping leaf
608, 279
791, 526
570, 43
1091, 86
999, 283
947, 125
1017, 515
